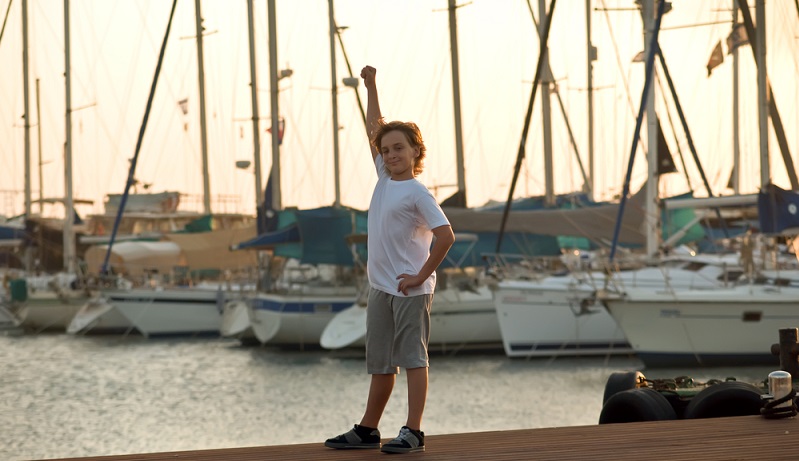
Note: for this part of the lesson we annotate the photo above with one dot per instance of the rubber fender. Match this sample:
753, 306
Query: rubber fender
729, 398
622, 381
636, 405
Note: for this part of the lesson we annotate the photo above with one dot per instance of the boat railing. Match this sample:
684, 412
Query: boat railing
503, 266
231, 279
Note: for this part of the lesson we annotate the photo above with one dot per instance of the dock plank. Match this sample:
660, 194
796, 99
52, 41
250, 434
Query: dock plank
719, 439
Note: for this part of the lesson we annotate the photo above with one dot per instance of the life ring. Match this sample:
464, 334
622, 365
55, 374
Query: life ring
729, 398
622, 381
636, 405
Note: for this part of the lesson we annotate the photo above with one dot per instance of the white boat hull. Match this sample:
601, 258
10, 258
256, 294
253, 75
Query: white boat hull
49, 311
560, 315
169, 312
458, 318
8, 319
464, 317
99, 316
730, 326
554, 317
236, 321
296, 320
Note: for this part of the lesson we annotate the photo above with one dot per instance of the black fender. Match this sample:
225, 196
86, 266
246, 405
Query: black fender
636, 405
621, 381
728, 398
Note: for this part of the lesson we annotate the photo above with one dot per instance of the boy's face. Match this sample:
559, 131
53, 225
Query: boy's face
398, 155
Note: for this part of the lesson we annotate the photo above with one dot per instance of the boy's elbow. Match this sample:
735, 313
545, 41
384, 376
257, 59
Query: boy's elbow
445, 236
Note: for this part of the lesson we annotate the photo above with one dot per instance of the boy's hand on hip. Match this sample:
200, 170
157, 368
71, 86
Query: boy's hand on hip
407, 281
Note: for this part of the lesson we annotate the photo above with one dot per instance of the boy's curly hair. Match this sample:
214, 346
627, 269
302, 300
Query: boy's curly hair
412, 134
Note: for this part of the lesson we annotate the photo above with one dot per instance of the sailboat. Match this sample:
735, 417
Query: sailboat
301, 276
540, 315
49, 301
171, 301
548, 311
735, 324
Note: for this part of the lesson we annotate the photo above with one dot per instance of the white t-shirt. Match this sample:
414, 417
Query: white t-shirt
401, 216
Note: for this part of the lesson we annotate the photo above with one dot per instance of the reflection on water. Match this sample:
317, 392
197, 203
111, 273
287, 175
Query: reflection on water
64, 396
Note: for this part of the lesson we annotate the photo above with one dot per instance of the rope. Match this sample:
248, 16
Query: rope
771, 410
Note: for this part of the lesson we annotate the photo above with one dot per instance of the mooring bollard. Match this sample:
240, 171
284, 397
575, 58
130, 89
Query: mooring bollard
788, 350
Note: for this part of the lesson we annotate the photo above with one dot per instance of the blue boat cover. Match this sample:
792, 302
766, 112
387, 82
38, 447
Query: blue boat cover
9, 232
777, 209
316, 236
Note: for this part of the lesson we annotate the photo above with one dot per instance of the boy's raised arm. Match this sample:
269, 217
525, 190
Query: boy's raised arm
373, 115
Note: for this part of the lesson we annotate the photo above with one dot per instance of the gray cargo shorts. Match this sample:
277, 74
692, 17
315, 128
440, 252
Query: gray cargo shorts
397, 332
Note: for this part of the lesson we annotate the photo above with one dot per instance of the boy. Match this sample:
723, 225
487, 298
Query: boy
403, 219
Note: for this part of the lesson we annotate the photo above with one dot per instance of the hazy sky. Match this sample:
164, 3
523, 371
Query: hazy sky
115, 43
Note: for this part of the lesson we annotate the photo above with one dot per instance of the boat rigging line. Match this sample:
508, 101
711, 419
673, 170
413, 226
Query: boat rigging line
587, 186
618, 62
5, 20
134, 160
349, 69
688, 136
542, 51
674, 133
650, 64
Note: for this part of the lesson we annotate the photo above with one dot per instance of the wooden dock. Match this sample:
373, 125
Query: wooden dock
721, 439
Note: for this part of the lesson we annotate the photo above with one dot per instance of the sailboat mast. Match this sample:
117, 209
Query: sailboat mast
277, 203
39, 143
768, 91
69, 233
762, 101
198, 22
652, 209
26, 99
591, 57
456, 99
736, 144
334, 93
546, 82
586, 181
256, 132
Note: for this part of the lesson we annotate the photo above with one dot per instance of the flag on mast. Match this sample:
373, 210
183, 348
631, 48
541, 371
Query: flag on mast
737, 37
716, 58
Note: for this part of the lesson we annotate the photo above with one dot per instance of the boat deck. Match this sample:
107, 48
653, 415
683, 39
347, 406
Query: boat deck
736, 438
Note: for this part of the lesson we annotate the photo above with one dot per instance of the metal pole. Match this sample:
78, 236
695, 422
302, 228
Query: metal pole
762, 99
198, 22
69, 233
773, 112
549, 194
26, 104
590, 77
334, 92
736, 142
652, 217
273, 92
39, 138
456, 98
349, 70
256, 132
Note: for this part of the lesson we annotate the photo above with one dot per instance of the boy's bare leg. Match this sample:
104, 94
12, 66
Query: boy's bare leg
417, 396
379, 393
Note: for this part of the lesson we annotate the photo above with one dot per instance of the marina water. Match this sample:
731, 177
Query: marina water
72, 396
